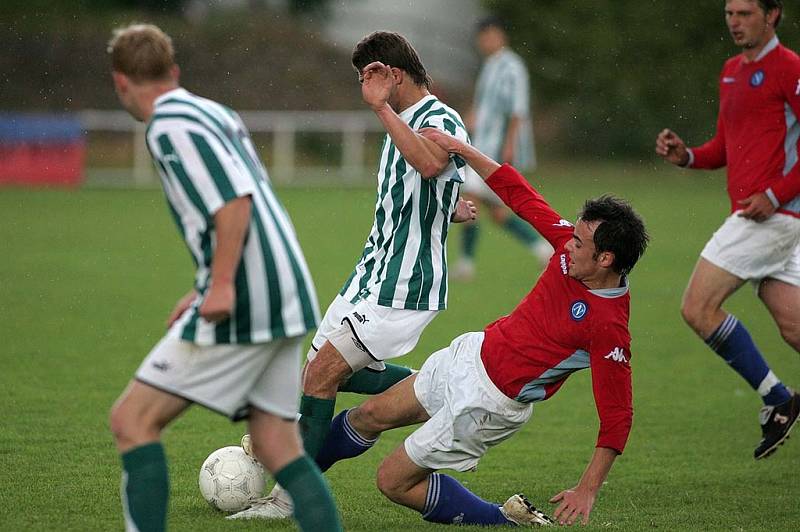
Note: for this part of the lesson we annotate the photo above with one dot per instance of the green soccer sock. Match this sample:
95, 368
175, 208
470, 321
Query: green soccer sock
314, 508
315, 422
469, 240
370, 382
145, 488
521, 230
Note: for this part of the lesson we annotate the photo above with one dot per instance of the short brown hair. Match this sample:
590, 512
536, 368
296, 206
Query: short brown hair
391, 49
142, 52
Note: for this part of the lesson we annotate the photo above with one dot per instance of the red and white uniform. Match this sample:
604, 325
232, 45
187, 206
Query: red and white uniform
757, 129
561, 326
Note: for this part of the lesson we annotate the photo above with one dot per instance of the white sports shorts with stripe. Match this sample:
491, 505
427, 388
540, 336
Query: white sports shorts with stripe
468, 412
228, 378
757, 250
474, 185
366, 333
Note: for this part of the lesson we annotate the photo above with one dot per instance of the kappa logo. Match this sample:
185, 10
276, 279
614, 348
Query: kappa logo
562, 260
563, 223
578, 310
617, 355
757, 78
797, 90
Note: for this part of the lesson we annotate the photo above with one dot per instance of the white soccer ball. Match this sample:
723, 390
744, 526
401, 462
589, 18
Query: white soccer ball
230, 480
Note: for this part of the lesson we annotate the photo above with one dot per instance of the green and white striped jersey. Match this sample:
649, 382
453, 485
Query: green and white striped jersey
503, 90
404, 261
206, 158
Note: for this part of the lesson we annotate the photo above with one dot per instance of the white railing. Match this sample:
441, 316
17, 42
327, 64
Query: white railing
353, 126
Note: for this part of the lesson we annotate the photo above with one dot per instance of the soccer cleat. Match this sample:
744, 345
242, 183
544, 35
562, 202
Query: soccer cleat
520, 511
464, 270
542, 250
776, 424
277, 505
247, 445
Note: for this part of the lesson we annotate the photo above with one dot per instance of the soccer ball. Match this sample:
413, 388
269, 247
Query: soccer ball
230, 480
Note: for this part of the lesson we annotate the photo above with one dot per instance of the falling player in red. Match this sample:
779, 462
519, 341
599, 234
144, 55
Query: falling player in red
478, 391
757, 139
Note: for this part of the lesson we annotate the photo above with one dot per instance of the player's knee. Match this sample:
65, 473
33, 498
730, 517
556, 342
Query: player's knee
131, 426
692, 313
367, 417
325, 372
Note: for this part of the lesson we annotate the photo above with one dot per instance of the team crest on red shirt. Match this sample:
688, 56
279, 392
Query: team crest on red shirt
757, 78
578, 310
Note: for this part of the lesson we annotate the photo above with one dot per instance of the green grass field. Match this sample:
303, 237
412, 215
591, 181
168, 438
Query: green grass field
88, 277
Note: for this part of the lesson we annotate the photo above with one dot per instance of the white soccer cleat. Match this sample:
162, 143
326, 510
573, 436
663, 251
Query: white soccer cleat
520, 511
542, 250
277, 505
247, 445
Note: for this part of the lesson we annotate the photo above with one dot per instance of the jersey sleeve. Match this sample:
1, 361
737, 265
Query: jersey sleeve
711, 155
787, 188
529, 205
611, 384
452, 124
205, 165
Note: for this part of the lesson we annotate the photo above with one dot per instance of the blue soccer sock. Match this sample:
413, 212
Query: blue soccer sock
469, 240
451, 503
521, 230
733, 343
341, 443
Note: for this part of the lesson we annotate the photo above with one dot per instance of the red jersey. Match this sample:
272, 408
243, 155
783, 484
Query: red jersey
561, 326
757, 129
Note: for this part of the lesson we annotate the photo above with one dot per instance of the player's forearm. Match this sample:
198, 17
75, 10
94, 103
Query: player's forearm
598, 469
231, 223
426, 157
483, 165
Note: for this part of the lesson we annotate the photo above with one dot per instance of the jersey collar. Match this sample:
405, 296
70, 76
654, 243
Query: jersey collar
771, 45
610, 293
408, 113
179, 92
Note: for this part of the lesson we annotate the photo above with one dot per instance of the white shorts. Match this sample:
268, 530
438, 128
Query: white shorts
468, 413
227, 378
754, 251
476, 186
366, 333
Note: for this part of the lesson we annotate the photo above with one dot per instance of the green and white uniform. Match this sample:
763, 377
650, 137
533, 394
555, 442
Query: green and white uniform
404, 263
206, 158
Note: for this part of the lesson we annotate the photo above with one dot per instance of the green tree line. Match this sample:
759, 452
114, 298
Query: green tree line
607, 75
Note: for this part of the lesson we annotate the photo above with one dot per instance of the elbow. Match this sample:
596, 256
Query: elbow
432, 168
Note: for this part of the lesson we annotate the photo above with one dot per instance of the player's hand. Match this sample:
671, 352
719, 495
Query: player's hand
672, 148
447, 142
757, 207
180, 307
465, 211
218, 303
377, 81
574, 504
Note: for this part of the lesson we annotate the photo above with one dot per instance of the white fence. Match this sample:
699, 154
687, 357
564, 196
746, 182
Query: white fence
284, 126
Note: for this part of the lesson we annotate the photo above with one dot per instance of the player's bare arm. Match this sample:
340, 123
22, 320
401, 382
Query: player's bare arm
180, 307
576, 503
672, 148
757, 207
231, 222
378, 81
484, 166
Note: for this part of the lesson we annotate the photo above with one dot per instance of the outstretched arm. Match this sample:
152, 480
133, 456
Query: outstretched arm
482, 164
576, 503
425, 156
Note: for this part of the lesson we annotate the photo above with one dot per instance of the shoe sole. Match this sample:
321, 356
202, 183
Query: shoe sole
774, 447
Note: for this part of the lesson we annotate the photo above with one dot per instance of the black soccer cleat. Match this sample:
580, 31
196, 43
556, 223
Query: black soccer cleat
776, 424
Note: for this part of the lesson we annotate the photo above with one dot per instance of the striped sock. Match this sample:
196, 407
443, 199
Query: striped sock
449, 502
734, 344
341, 443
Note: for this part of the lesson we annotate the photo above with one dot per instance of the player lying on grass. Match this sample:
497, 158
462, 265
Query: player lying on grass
478, 391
